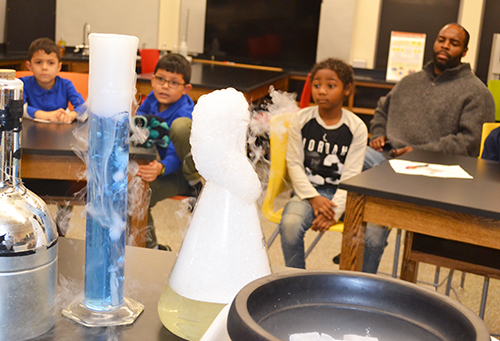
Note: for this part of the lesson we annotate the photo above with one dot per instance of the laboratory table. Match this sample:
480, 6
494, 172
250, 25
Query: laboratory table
48, 155
72, 62
465, 210
205, 78
146, 272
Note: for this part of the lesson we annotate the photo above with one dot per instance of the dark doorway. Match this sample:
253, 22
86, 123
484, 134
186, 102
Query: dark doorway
28, 20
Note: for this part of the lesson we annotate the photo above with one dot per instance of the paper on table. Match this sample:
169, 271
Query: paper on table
429, 169
47, 121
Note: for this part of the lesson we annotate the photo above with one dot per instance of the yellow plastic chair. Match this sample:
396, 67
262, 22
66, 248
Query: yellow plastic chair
494, 87
487, 128
279, 181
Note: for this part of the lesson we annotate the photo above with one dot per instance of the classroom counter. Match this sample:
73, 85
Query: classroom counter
73, 62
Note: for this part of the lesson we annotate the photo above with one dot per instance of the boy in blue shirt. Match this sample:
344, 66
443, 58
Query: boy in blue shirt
46, 94
174, 173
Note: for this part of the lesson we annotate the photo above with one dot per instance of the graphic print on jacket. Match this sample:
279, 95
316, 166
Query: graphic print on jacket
325, 151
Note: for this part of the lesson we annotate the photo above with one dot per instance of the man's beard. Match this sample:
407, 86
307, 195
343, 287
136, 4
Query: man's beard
450, 63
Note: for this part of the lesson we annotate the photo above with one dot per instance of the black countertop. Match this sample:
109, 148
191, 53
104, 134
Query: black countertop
142, 283
68, 56
365, 75
212, 76
59, 139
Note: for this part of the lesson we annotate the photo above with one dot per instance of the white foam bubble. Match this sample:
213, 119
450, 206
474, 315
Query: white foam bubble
218, 140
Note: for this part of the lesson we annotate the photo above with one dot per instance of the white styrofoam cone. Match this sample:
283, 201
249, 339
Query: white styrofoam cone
224, 247
112, 73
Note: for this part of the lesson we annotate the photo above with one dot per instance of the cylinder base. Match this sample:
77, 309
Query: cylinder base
124, 315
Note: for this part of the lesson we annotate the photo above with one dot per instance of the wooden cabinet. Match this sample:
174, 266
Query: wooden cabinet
76, 66
363, 100
15, 64
18, 63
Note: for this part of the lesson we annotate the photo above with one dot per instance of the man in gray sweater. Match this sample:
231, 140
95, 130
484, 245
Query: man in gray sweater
441, 108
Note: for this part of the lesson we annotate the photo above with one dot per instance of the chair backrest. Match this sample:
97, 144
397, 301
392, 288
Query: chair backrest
278, 177
149, 59
494, 87
305, 97
487, 128
79, 80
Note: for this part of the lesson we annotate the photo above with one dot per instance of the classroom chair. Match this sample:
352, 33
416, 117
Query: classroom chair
149, 59
494, 87
61, 192
451, 254
79, 80
305, 97
487, 128
279, 181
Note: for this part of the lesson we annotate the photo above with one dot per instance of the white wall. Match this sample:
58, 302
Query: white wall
365, 31
196, 30
336, 29
168, 24
3, 7
137, 18
172, 24
348, 28
470, 17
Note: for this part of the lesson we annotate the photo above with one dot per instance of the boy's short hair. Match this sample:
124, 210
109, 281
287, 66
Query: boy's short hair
175, 63
343, 70
45, 44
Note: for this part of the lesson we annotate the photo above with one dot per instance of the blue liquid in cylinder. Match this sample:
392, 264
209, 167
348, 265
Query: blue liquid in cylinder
107, 180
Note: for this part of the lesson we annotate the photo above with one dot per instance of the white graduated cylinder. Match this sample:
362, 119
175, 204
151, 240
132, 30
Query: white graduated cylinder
112, 73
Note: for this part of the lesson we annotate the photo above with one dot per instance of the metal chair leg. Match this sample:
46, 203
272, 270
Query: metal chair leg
482, 308
273, 237
313, 244
448, 283
436, 278
462, 281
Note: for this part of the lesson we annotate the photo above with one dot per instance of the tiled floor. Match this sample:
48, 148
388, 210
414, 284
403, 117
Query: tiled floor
172, 219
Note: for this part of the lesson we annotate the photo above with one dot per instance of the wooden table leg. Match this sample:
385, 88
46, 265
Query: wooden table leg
139, 195
353, 238
409, 268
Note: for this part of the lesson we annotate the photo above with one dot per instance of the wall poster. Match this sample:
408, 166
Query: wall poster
406, 54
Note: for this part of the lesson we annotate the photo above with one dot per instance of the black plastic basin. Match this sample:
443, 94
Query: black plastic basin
345, 302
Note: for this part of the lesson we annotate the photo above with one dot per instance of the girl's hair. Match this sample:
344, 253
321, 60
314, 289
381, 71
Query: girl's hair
343, 70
